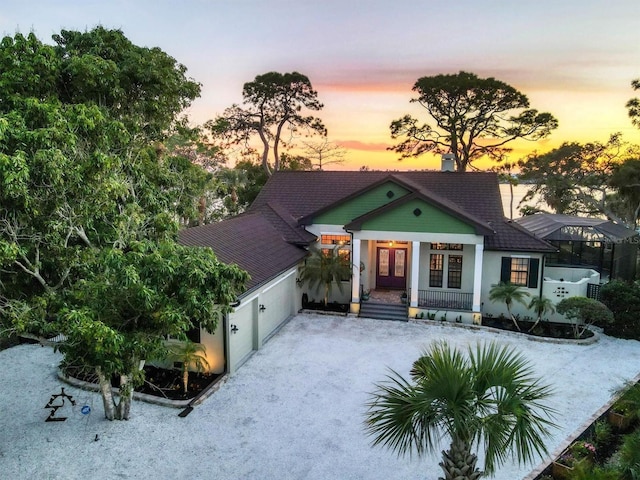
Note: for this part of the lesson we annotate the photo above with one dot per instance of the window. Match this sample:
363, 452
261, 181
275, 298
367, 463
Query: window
342, 243
446, 246
454, 275
436, 265
520, 271
335, 239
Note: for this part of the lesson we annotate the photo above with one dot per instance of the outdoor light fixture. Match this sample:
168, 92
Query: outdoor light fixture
234, 328
298, 282
262, 308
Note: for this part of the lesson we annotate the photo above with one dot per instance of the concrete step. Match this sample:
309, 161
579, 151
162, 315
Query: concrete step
383, 311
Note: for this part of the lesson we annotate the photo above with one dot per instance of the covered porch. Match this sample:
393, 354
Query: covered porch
427, 272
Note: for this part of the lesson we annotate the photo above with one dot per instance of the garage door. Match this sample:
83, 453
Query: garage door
278, 302
241, 333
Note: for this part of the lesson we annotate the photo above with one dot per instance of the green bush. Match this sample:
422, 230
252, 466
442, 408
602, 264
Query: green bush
623, 299
582, 312
629, 456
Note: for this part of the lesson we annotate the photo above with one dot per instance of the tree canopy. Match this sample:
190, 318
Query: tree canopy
633, 105
91, 200
579, 179
272, 110
472, 117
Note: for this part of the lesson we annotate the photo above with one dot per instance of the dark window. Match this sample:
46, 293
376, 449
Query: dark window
454, 275
436, 270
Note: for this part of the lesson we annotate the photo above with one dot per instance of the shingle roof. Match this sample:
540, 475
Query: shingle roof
476, 193
244, 240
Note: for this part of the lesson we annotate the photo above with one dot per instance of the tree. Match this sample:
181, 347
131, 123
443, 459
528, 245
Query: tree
474, 117
540, 305
505, 175
625, 179
128, 300
489, 398
91, 201
584, 312
189, 354
325, 268
509, 293
145, 88
273, 105
324, 153
574, 178
633, 105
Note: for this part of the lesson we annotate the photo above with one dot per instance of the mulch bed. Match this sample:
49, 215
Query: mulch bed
160, 382
543, 329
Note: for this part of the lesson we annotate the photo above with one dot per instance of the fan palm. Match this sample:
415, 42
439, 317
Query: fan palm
489, 398
540, 305
325, 268
509, 293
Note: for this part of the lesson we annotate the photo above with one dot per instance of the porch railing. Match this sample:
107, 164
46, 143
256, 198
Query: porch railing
449, 300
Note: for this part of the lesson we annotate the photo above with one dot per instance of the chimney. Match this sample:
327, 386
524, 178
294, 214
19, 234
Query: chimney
448, 162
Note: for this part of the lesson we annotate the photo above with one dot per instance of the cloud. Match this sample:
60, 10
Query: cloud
367, 147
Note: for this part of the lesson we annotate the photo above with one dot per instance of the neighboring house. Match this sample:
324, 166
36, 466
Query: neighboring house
441, 237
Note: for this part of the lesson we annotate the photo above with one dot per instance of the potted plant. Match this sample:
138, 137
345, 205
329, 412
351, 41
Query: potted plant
403, 297
580, 451
365, 295
626, 408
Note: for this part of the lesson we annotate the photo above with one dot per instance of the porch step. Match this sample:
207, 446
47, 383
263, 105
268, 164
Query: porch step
384, 311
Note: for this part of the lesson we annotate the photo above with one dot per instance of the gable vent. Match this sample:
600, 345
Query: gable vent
390, 194
417, 212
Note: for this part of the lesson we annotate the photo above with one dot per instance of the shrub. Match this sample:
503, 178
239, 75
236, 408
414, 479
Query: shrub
623, 299
583, 312
629, 456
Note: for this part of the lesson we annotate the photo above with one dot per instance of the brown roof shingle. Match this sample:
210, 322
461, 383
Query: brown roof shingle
302, 194
251, 242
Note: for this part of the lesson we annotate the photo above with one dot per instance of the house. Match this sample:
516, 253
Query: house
441, 237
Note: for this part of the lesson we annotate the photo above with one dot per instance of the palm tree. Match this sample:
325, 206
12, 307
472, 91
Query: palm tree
326, 267
190, 354
489, 398
509, 293
540, 305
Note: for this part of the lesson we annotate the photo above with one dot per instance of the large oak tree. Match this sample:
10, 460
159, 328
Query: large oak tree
470, 117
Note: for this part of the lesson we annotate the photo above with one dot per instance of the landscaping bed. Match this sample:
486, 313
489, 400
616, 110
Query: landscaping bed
609, 449
542, 329
159, 382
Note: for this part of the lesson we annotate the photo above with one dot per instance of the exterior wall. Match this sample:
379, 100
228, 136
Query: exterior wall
468, 259
565, 282
253, 326
491, 276
417, 216
367, 201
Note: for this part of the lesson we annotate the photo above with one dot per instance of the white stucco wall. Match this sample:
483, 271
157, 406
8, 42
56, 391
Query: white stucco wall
491, 267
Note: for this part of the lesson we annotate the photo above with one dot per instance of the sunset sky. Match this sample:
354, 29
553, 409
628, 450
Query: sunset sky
572, 58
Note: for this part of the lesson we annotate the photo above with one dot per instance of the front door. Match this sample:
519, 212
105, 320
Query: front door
391, 269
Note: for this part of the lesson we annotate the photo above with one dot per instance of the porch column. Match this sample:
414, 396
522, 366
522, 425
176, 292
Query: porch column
355, 274
477, 277
415, 273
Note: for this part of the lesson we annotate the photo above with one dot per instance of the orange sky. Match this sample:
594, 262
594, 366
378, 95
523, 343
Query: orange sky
572, 58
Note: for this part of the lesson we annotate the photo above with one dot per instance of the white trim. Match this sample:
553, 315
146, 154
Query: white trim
355, 271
